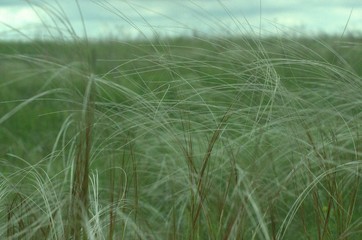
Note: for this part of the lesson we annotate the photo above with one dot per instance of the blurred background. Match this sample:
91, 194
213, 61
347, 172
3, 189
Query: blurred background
104, 19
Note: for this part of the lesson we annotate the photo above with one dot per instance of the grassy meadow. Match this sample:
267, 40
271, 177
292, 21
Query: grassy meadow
182, 138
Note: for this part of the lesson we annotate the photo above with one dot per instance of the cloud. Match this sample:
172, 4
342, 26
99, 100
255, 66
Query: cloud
17, 18
137, 17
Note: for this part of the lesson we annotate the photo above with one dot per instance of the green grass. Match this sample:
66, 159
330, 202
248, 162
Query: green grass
185, 138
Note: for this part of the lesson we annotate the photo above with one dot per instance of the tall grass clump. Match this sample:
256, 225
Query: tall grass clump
182, 138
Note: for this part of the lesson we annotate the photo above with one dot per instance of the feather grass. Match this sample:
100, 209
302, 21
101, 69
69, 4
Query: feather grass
201, 138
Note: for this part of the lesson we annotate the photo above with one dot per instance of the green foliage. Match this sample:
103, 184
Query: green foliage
239, 138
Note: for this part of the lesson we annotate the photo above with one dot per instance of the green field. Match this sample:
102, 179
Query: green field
184, 138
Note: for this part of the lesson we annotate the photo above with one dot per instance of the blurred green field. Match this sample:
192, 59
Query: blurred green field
185, 138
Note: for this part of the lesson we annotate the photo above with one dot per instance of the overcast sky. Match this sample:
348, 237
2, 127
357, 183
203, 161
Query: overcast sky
21, 19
